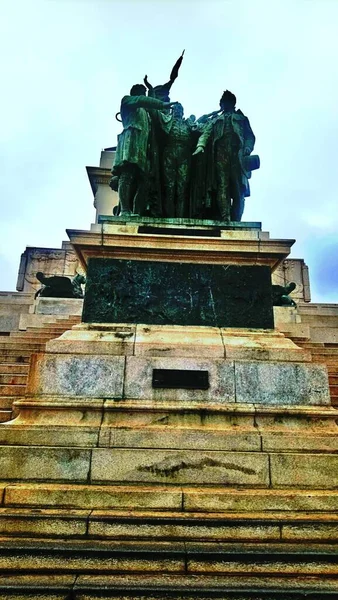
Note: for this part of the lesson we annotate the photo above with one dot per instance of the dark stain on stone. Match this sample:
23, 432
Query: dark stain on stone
123, 334
167, 470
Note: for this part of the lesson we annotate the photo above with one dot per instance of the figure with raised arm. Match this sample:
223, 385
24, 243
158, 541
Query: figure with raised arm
132, 156
230, 141
162, 91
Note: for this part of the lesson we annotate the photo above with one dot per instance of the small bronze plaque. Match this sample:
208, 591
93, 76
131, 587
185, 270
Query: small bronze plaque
180, 378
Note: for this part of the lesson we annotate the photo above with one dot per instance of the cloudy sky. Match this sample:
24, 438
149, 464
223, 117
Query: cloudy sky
67, 63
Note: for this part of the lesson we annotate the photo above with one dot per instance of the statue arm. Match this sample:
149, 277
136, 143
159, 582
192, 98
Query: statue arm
149, 87
205, 135
144, 102
249, 138
203, 139
175, 69
204, 118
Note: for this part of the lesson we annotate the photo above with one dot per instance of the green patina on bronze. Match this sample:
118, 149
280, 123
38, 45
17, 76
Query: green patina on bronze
151, 292
172, 167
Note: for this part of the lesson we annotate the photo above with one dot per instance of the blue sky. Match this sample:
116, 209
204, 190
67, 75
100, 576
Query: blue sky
67, 63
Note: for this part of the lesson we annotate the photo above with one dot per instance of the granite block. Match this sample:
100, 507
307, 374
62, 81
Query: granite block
170, 466
92, 496
175, 340
220, 500
71, 375
281, 383
184, 438
21, 462
318, 471
139, 371
53, 523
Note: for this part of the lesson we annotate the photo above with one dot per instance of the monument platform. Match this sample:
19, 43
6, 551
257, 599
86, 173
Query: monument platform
180, 457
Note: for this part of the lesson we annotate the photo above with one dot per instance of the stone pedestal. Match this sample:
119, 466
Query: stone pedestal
185, 454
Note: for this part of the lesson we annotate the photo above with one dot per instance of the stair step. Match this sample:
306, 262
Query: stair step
171, 498
39, 338
227, 528
324, 352
15, 369
141, 586
12, 390
5, 415
13, 379
6, 402
17, 357
45, 330
285, 527
20, 345
138, 557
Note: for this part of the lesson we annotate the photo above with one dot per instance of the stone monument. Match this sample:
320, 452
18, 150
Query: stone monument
174, 443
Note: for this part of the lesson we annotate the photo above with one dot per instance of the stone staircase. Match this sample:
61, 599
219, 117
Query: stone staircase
15, 352
155, 499
327, 354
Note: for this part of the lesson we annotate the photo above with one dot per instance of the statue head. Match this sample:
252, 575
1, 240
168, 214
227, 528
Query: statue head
178, 111
138, 90
290, 287
228, 101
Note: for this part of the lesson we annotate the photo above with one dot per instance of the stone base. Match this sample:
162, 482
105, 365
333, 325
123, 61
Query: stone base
131, 377
177, 341
58, 306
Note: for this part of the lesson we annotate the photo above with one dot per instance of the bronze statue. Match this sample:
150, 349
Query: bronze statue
231, 140
178, 143
280, 294
59, 286
131, 160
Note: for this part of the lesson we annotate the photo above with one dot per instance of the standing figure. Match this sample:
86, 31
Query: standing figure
231, 140
131, 159
176, 160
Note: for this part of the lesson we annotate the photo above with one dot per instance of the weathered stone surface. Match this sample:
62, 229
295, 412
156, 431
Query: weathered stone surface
35, 587
47, 435
262, 345
157, 292
175, 340
193, 583
58, 306
316, 532
184, 438
104, 525
304, 470
138, 379
91, 376
20, 462
222, 500
91, 496
103, 562
327, 442
95, 339
26, 522
156, 466
270, 383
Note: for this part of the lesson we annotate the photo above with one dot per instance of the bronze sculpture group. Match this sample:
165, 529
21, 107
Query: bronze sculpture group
170, 166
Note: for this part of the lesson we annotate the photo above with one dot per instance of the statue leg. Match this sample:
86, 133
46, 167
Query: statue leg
223, 192
140, 198
169, 177
182, 188
238, 202
127, 190
223, 173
